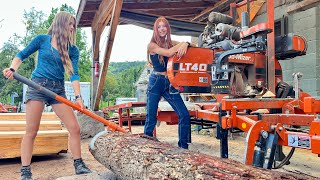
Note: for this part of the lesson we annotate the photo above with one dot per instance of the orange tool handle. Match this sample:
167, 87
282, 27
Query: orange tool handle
53, 95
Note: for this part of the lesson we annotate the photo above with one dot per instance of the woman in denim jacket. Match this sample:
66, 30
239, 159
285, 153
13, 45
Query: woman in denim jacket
159, 49
57, 55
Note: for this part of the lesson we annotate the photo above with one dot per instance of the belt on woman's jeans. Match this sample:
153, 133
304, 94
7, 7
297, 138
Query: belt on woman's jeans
159, 73
49, 81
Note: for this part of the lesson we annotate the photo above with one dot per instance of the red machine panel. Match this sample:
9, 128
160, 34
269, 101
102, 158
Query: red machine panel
193, 70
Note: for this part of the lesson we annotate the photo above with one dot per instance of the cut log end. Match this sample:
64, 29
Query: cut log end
132, 157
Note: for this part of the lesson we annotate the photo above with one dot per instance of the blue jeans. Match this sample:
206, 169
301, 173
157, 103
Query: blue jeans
158, 86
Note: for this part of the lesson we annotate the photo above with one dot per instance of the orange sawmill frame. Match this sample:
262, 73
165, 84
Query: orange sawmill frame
254, 124
302, 111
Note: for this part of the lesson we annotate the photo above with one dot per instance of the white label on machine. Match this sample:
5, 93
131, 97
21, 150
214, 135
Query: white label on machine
203, 79
299, 141
225, 74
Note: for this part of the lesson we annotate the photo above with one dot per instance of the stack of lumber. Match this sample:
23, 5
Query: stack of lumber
52, 138
133, 157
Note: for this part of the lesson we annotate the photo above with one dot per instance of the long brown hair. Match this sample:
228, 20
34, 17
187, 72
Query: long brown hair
60, 30
157, 39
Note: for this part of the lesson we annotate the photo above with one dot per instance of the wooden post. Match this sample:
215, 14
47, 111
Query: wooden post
112, 32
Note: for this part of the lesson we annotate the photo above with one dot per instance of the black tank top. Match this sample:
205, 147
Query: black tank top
157, 66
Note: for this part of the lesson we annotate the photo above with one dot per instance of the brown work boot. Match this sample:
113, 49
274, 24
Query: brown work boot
80, 167
26, 173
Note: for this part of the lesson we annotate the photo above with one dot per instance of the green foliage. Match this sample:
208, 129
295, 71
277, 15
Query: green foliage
120, 80
84, 61
7, 87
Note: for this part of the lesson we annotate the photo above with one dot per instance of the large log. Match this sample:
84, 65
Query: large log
133, 157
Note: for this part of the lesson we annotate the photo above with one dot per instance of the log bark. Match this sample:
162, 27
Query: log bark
133, 157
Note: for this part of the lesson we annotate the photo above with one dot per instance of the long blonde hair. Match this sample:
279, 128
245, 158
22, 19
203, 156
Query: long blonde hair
157, 39
60, 30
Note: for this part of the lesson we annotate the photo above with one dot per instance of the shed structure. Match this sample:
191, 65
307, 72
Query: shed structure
189, 17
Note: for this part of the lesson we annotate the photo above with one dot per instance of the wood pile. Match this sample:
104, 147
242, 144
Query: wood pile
133, 157
52, 138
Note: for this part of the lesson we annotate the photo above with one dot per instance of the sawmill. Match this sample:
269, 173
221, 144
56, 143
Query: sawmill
237, 63
237, 80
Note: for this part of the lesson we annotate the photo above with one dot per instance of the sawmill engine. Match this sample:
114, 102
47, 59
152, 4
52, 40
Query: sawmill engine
247, 71
231, 60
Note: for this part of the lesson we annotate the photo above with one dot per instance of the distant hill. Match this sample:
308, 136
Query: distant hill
118, 67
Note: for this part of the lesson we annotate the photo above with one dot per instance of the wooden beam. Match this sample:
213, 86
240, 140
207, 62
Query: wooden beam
178, 27
10, 125
91, 7
187, 17
87, 16
171, 12
255, 6
149, 19
96, 54
165, 5
82, 5
204, 14
96, 45
112, 32
174, 30
99, 31
102, 13
46, 142
46, 116
85, 24
300, 5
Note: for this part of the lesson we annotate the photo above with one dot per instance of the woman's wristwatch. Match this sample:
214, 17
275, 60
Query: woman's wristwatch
78, 96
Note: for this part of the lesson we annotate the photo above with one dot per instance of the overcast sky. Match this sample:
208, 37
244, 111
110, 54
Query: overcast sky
130, 41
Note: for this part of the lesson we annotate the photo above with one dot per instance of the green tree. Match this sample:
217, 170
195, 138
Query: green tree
7, 87
110, 91
120, 80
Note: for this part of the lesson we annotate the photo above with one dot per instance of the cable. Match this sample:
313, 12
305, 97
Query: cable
285, 160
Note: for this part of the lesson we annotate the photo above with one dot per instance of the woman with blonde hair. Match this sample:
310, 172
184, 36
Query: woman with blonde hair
159, 49
57, 55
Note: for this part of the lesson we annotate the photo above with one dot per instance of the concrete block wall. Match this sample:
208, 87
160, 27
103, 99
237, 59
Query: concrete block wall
307, 24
